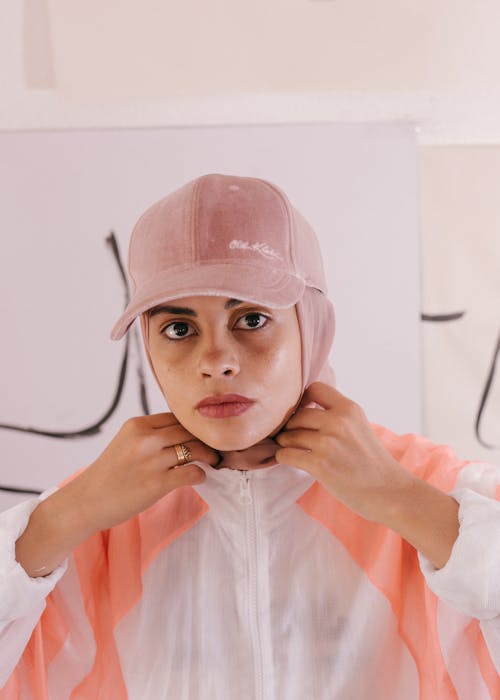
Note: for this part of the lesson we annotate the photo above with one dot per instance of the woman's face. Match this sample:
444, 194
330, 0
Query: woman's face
203, 346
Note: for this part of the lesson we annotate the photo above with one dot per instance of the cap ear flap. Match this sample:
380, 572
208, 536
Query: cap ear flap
144, 319
316, 317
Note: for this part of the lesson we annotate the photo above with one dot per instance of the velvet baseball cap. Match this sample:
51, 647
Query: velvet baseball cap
221, 235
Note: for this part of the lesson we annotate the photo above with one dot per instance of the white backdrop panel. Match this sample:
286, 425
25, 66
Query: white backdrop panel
60, 289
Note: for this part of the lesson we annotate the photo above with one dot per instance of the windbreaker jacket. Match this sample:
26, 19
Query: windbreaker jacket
260, 585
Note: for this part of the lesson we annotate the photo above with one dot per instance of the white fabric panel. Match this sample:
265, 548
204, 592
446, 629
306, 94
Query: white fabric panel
267, 605
258, 600
76, 658
458, 654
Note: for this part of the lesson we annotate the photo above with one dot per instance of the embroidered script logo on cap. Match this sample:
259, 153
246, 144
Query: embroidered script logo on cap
259, 246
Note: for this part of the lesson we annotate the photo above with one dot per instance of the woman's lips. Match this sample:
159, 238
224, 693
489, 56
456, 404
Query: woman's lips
226, 409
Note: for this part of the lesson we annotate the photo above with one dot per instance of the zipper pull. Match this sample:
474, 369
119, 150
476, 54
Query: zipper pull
245, 493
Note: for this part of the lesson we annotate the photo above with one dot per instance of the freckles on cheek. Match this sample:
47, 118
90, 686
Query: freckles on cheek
169, 380
280, 359
276, 354
282, 365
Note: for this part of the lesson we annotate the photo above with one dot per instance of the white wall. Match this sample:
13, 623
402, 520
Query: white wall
433, 64
141, 63
61, 293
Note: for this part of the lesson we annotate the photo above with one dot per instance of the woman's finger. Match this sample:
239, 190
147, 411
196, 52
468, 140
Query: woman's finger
312, 418
170, 435
301, 459
189, 474
305, 439
158, 420
167, 458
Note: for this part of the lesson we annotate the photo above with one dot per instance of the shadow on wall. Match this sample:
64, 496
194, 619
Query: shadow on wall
37, 58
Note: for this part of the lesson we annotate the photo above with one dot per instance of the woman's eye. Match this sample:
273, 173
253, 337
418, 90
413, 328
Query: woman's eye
254, 320
176, 330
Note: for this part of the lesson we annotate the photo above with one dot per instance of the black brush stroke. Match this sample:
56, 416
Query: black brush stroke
484, 396
489, 379
95, 428
13, 489
91, 429
443, 317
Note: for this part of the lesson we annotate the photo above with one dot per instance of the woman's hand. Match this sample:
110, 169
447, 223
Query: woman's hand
337, 445
135, 470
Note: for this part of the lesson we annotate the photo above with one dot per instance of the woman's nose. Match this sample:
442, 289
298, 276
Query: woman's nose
218, 357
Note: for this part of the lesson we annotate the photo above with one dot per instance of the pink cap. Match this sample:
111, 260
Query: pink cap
221, 234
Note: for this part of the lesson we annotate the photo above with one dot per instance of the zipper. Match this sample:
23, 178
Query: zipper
246, 498
245, 491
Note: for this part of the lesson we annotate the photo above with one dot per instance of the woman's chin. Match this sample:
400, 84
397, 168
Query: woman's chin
232, 442
224, 445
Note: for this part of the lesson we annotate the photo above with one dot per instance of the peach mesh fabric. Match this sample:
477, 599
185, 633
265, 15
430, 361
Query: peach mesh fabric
392, 565
110, 566
486, 666
111, 582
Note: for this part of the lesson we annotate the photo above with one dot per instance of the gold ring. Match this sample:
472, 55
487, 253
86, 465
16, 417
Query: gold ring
183, 453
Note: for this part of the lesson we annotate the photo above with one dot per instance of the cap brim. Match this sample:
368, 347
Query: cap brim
260, 285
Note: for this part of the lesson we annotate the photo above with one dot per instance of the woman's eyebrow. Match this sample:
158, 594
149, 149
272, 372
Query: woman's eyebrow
188, 312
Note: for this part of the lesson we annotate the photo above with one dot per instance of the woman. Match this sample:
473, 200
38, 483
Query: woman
262, 539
